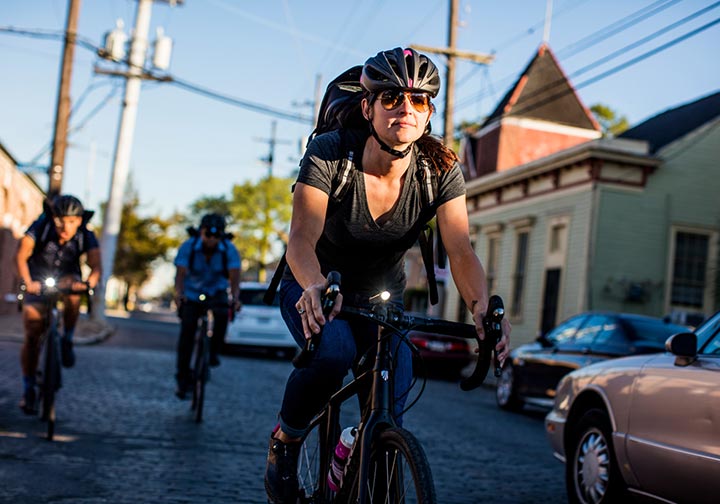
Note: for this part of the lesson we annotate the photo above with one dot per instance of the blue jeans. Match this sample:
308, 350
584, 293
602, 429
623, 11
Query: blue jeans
309, 389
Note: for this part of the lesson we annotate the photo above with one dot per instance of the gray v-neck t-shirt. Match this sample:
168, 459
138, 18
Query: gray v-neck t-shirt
368, 255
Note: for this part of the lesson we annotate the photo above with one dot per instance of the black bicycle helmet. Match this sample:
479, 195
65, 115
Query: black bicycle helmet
215, 223
400, 68
66, 206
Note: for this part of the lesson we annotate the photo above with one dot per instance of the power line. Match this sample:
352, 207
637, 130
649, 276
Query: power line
238, 102
617, 53
263, 109
618, 68
614, 28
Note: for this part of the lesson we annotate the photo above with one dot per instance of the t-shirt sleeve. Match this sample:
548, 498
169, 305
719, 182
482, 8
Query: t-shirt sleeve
183, 256
233, 256
36, 228
451, 184
320, 161
91, 241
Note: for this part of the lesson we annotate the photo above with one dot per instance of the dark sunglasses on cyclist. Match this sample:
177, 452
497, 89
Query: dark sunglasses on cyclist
213, 233
390, 99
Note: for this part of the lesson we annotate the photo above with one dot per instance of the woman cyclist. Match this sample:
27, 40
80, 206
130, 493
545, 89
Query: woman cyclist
365, 237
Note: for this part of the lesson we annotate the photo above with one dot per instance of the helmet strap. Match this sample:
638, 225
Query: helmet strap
386, 147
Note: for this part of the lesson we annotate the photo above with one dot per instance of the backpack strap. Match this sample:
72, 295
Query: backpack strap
269, 295
428, 185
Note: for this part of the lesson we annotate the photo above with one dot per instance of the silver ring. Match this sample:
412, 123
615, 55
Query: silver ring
301, 310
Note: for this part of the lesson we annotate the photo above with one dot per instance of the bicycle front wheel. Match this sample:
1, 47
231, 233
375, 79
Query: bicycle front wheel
399, 472
50, 381
200, 372
310, 472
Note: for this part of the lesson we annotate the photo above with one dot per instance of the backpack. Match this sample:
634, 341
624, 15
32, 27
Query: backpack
195, 234
340, 110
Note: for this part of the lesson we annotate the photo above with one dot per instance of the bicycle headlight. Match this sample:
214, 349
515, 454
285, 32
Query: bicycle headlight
50, 282
384, 295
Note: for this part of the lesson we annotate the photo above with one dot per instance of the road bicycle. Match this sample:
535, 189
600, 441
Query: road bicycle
201, 356
49, 373
386, 462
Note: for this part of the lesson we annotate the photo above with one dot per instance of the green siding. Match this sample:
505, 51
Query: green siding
576, 205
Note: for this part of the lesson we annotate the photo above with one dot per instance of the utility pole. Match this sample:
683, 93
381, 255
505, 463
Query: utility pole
451, 52
267, 221
123, 147
62, 114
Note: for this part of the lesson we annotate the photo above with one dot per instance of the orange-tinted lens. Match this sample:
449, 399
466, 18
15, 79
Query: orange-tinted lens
393, 98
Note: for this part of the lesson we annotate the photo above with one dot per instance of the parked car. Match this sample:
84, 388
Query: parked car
532, 372
644, 425
440, 355
259, 326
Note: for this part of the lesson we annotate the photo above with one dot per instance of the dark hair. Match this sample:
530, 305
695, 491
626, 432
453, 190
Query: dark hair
441, 157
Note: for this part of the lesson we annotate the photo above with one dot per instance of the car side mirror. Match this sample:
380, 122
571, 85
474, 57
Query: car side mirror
683, 346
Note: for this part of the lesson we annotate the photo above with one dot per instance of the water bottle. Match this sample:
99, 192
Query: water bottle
342, 450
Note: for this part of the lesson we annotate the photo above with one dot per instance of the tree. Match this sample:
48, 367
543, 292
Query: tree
141, 242
611, 123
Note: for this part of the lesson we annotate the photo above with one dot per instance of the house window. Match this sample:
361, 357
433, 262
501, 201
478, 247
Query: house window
556, 238
492, 262
689, 269
519, 275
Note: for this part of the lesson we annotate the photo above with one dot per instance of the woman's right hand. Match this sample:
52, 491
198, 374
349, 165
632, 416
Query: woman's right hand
309, 306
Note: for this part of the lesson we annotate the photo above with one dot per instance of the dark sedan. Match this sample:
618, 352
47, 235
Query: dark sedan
531, 374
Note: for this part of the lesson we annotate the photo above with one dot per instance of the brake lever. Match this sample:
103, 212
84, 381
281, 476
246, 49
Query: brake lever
492, 324
493, 334
332, 289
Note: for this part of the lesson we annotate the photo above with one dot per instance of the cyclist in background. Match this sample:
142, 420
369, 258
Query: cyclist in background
207, 263
52, 247
365, 238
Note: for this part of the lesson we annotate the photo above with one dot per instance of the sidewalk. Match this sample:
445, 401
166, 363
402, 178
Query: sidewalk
87, 332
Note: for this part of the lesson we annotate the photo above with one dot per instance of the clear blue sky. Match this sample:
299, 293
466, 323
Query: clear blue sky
270, 52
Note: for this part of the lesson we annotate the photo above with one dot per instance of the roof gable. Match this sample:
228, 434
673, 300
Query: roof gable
666, 127
543, 92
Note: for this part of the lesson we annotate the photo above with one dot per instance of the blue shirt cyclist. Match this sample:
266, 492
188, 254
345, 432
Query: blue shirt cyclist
206, 264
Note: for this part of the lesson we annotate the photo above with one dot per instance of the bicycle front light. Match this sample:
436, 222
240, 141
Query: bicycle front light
50, 282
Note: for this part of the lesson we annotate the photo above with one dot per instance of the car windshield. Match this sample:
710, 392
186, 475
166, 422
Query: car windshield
707, 330
254, 296
652, 330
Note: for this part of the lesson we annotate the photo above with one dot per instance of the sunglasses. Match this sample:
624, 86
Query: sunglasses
391, 99
213, 233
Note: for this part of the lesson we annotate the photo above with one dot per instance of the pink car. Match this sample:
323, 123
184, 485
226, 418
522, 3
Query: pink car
645, 425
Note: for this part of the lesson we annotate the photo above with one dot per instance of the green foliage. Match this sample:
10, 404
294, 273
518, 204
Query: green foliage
142, 241
258, 216
611, 123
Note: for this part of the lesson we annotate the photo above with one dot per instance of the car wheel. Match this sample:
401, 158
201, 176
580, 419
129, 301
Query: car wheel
506, 391
591, 472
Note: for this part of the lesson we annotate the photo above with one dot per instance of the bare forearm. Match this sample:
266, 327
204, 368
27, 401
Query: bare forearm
304, 264
234, 275
470, 279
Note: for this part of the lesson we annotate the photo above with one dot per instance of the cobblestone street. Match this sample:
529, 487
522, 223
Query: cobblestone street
122, 436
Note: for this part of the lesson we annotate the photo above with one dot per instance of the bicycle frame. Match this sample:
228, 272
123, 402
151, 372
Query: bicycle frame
377, 417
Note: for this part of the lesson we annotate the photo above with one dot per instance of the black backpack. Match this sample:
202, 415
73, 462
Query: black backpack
340, 110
